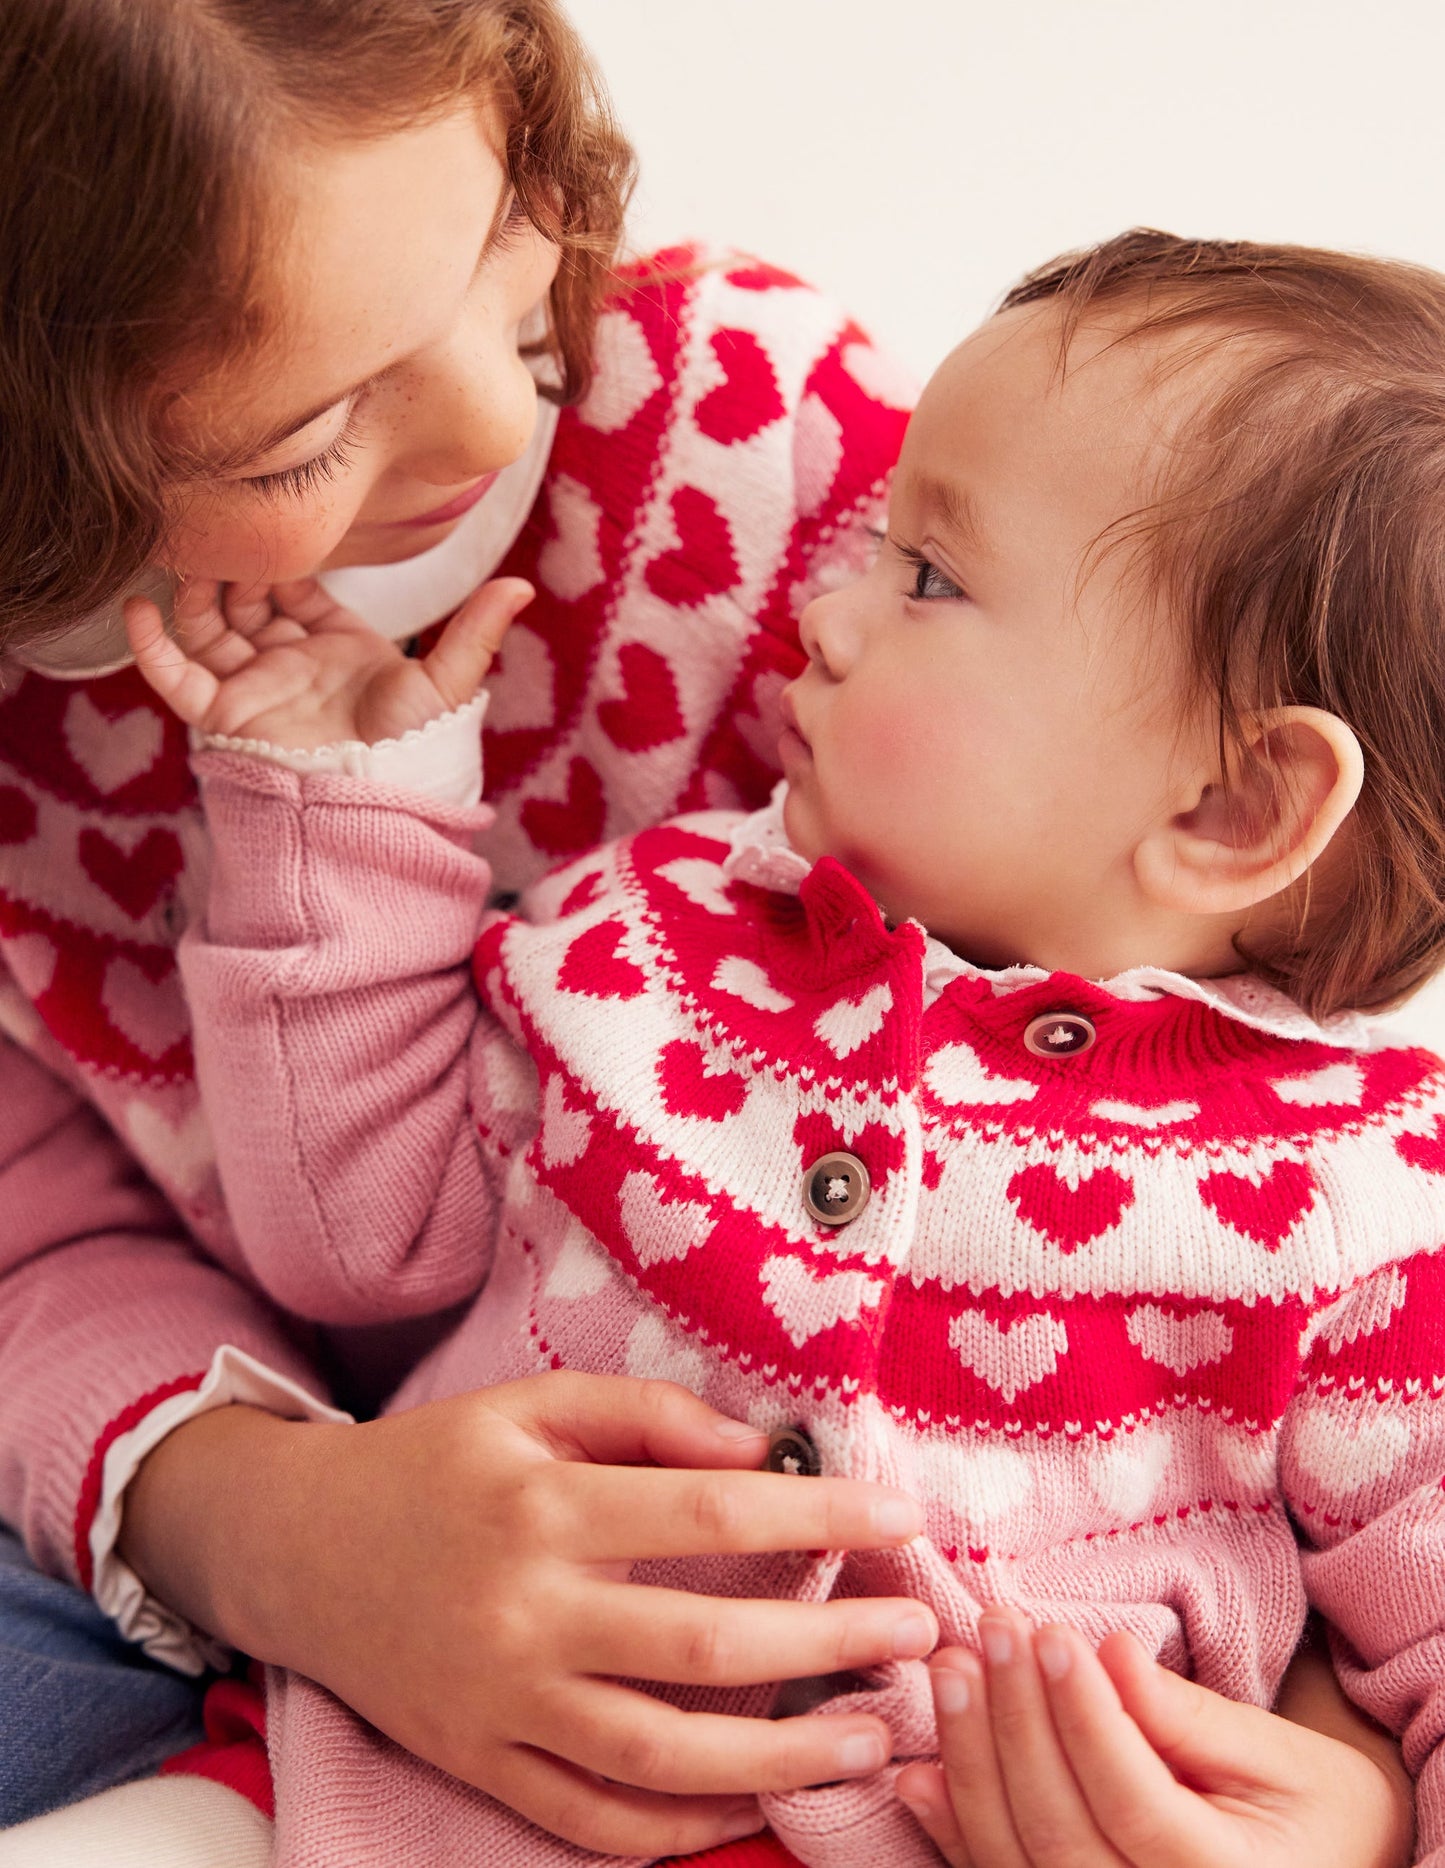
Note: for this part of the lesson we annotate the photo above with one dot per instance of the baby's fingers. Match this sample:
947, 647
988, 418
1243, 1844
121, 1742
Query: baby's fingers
187, 688
458, 664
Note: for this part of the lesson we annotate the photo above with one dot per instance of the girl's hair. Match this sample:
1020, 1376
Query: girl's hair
130, 139
1301, 537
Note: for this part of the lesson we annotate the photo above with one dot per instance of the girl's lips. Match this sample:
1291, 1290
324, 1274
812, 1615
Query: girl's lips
791, 729
454, 508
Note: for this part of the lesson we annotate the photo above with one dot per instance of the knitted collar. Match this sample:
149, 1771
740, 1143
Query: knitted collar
760, 854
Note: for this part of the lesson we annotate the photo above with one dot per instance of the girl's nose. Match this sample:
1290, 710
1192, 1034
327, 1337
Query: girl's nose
475, 408
828, 631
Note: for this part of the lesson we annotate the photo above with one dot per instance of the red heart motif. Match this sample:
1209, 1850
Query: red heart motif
758, 276
1424, 1151
1070, 1216
702, 563
134, 880
689, 1088
17, 815
1264, 1213
647, 712
747, 399
559, 826
593, 966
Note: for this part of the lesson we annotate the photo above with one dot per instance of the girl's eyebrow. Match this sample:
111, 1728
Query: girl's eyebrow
957, 508
293, 424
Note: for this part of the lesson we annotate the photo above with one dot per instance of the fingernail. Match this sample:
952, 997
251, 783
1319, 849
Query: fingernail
744, 1822
737, 1430
917, 1808
998, 1641
862, 1752
912, 1637
1055, 1655
950, 1690
897, 1517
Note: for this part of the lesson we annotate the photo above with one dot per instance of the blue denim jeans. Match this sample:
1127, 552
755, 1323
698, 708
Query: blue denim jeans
80, 1709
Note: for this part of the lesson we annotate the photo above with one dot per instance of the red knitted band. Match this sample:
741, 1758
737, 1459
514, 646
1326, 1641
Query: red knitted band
90, 1486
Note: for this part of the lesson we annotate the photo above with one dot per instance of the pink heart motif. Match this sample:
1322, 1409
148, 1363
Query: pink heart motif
1009, 1356
690, 1088
1424, 1151
807, 1302
561, 826
1265, 1212
703, 562
747, 399
1070, 1216
647, 713
592, 965
134, 879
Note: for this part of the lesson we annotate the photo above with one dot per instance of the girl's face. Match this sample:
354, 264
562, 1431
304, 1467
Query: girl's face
984, 732
390, 388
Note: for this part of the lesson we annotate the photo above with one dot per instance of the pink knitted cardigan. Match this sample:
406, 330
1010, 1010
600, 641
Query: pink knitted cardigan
1126, 1321
738, 430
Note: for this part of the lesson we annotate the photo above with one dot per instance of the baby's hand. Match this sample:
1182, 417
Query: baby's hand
290, 666
1055, 1757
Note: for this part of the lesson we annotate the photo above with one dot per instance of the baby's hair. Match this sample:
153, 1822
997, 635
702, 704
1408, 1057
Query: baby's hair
1301, 537
130, 141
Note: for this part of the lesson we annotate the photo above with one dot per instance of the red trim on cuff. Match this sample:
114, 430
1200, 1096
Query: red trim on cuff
762, 1851
233, 1751
93, 1482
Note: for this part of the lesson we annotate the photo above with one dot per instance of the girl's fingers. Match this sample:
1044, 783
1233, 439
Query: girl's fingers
923, 1790
1133, 1795
458, 664
971, 1770
1050, 1813
610, 1818
188, 689
634, 1739
666, 1634
201, 628
623, 1420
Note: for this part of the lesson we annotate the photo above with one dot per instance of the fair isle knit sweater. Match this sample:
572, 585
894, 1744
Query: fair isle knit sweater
1131, 1322
736, 439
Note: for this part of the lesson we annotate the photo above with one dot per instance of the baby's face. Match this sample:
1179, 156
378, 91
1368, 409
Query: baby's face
987, 724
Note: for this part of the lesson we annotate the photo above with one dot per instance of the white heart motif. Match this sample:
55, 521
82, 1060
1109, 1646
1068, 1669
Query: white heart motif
746, 980
626, 373
179, 1153
151, 1013
111, 752
806, 1302
565, 1132
1179, 1343
523, 688
657, 1226
878, 376
701, 882
955, 1074
1361, 1312
759, 728
657, 1352
843, 1027
1142, 1116
571, 563
1340, 1455
980, 1479
1336, 1083
1125, 1472
1009, 1357
817, 452
31, 959
580, 1269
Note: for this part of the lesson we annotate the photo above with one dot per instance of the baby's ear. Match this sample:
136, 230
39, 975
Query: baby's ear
1292, 783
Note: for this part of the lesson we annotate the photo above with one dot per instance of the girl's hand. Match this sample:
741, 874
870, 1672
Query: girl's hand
290, 666
1055, 1757
458, 1575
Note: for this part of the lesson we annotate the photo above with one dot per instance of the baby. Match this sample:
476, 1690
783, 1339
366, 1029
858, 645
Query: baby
992, 1115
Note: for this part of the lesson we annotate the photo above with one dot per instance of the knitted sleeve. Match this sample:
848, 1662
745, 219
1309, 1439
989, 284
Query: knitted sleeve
337, 1035
1362, 1461
104, 1309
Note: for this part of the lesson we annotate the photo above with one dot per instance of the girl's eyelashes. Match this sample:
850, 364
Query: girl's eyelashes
307, 475
930, 584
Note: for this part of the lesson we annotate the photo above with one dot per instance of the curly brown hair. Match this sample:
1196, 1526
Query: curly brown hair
131, 134
1302, 537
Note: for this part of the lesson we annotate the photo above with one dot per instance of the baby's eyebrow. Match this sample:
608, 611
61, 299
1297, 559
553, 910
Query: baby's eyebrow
957, 508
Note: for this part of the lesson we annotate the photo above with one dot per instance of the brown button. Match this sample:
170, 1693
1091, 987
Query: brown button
1058, 1034
836, 1189
791, 1451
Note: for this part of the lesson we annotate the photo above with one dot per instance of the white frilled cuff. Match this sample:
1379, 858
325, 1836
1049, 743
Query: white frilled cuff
233, 1376
441, 760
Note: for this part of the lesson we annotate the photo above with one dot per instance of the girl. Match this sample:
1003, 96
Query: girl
824, 1112
301, 284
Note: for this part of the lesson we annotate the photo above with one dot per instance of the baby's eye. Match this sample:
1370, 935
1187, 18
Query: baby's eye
929, 583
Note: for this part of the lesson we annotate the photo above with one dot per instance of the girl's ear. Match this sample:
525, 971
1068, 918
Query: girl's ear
1292, 784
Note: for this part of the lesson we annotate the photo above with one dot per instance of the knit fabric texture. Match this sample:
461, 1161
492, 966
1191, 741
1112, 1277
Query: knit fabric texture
1125, 1320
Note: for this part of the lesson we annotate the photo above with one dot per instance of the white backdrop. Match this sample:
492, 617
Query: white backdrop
916, 156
